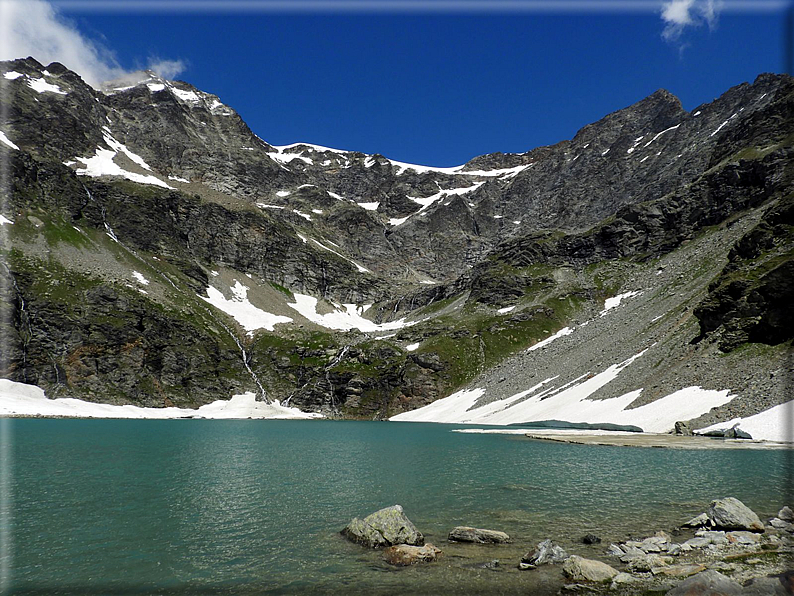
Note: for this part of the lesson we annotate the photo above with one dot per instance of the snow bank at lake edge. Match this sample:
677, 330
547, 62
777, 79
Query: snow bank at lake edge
21, 400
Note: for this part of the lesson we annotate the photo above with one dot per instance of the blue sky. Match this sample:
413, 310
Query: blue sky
437, 88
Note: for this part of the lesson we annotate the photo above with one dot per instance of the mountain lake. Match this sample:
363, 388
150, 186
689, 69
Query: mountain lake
256, 506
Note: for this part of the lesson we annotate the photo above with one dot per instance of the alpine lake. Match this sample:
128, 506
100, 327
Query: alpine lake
256, 506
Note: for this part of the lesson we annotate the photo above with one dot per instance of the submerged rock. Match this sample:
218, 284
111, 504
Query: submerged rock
385, 527
591, 539
546, 552
580, 569
731, 514
406, 554
707, 583
477, 535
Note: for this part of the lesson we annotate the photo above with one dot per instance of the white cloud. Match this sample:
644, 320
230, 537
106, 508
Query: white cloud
168, 69
680, 14
35, 28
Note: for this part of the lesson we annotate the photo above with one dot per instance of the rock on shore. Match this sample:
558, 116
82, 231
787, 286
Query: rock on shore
580, 569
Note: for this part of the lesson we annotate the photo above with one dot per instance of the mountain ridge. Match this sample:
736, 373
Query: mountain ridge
197, 201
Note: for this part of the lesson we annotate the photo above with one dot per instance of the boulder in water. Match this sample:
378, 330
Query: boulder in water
545, 553
477, 535
406, 554
385, 527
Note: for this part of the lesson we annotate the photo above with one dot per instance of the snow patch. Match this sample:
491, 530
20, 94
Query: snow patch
283, 193
185, 95
505, 310
18, 399
369, 206
343, 320
324, 247
660, 134
570, 403
140, 278
102, 164
11, 75
561, 333
774, 424
155, 87
6, 141
241, 310
720, 127
178, 179
615, 301
42, 86
412, 347
4, 220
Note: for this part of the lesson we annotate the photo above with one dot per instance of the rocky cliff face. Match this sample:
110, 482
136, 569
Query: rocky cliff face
161, 253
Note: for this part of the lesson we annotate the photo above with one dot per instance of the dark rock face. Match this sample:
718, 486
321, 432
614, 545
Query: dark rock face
751, 298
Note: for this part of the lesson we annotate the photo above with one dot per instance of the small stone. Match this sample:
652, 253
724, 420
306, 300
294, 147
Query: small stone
779, 524
545, 553
622, 579
648, 562
581, 569
743, 537
713, 537
406, 554
722, 566
477, 535
696, 543
698, 521
674, 549
615, 550
679, 570
631, 552
591, 539
786, 514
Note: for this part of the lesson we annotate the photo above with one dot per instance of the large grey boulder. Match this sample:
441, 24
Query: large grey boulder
580, 569
478, 535
405, 554
731, 514
545, 553
707, 583
386, 527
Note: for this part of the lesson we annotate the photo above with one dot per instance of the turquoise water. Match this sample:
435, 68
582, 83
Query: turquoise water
193, 506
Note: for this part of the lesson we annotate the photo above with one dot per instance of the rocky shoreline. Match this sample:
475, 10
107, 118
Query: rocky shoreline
727, 550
